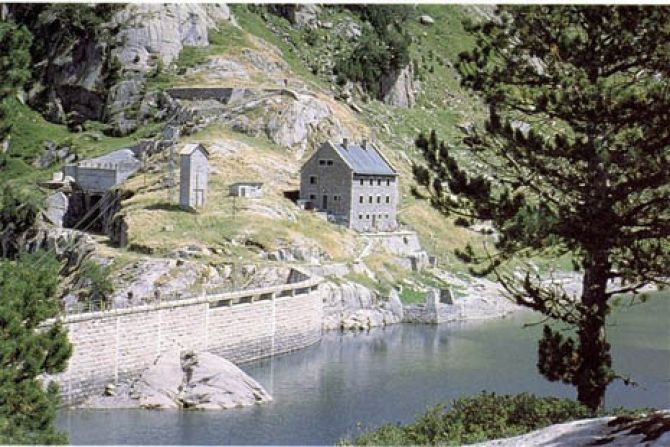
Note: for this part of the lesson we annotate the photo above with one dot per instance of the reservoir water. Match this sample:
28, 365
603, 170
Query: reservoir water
349, 382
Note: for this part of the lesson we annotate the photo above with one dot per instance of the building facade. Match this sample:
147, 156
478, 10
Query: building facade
252, 190
353, 183
194, 176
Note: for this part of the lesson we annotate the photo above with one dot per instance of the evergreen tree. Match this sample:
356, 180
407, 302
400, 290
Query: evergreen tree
27, 410
14, 65
577, 150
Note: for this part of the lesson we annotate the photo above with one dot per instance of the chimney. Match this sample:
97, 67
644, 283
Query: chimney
365, 144
345, 143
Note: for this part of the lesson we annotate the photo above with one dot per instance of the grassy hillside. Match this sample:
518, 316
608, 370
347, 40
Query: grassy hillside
241, 229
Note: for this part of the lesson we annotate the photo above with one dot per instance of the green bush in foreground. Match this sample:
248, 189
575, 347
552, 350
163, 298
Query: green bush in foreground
475, 419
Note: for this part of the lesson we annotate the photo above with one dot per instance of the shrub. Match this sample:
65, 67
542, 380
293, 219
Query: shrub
479, 418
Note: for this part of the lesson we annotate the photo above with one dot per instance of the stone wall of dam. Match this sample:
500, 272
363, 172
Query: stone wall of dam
115, 345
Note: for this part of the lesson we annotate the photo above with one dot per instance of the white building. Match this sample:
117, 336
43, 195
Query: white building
193, 176
251, 190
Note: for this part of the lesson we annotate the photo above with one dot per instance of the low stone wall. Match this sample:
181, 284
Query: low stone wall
115, 345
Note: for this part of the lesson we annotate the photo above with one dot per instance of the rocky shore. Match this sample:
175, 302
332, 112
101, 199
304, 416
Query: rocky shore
199, 381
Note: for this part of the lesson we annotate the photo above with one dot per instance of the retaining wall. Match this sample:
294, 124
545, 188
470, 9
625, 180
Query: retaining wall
119, 344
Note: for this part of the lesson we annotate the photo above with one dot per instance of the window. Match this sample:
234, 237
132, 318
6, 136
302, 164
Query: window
386, 216
336, 198
372, 182
379, 182
360, 199
388, 182
361, 182
322, 162
370, 199
388, 199
360, 217
312, 197
367, 216
379, 199
312, 180
329, 162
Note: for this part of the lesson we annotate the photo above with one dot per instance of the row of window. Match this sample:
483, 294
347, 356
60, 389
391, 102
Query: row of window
335, 198
361, 199
378, 217
379, 182
325, 162
313, 179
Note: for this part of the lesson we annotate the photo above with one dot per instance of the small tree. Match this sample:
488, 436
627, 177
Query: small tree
27, 299
577, 157
14, 66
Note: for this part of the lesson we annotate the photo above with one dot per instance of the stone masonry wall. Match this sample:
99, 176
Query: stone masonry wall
116, 345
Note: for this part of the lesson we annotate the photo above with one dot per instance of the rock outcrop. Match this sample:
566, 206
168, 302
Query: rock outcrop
160, 30
398, 88
199, 381
650, 430
351, 306
293, 124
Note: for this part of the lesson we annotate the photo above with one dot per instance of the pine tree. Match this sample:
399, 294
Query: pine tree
27, 350
577, 157
14, 65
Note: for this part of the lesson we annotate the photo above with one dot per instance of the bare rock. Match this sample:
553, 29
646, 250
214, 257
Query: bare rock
398, 88
197, 381
426, 20
293, 124
57, 206
161, 30
650, 430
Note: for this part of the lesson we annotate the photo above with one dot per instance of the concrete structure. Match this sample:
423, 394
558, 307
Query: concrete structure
194, 176
353, 183
115, 345
246, 189
97, 175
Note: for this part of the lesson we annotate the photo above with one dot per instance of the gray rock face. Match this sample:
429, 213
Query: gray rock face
52, 154
301, 119
57, 205
351, 306
398, 88
123, 97
161, 30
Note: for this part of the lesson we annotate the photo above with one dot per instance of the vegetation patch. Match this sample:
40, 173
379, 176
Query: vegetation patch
480, 418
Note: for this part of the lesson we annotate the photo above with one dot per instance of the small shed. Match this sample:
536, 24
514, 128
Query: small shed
194, 175
251, 190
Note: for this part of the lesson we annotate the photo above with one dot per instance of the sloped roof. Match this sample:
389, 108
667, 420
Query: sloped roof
368, 160
191, 147
256, 184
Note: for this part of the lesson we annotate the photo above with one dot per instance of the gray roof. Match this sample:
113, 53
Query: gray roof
191, 147
366, 160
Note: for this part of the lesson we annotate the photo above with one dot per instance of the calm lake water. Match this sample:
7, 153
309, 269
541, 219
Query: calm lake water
352, 381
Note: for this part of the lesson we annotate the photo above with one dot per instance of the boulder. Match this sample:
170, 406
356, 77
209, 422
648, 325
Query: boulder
197, 381
426, 20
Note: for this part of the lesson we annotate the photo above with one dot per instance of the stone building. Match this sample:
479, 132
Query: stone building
193, 176
251, 190
353, 183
